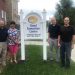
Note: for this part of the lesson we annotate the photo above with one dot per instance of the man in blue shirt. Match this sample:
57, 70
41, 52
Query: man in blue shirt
3, 43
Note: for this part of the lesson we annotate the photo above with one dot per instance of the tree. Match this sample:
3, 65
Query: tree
65, 8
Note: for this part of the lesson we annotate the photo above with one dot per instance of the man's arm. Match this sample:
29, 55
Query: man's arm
73, 41
48, 34
73, 38
48, 37
58, 40
59, 33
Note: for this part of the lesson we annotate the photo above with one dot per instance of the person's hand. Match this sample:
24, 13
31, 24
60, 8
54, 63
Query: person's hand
59, 45
72, 46
48, 40
16, 41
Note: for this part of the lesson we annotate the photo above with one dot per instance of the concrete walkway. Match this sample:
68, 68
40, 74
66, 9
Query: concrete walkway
41, 43
73, 54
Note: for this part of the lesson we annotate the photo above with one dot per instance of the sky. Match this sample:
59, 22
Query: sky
48, 5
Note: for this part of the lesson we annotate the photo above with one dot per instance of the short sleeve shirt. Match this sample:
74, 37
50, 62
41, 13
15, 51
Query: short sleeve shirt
54, 31
66, 33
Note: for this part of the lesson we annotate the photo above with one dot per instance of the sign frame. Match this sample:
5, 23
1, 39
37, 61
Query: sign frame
22, 25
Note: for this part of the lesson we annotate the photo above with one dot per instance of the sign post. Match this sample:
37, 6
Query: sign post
44, 36
22, 36
33, 26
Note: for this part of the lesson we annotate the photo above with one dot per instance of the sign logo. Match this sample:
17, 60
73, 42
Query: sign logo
33, 19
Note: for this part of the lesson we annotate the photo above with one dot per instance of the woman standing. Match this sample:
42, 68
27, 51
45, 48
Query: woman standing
13, 41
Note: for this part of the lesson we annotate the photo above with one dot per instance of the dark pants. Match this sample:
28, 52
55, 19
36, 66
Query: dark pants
65, 54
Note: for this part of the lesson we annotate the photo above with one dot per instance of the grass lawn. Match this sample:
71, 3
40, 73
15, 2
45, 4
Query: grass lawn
34, 65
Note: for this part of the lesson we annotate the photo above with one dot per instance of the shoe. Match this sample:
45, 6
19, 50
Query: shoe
62, 65
1, 68
15, 61
57, 61
0, 71
51, 59
67, 66
4, 64
11, 61
0, 63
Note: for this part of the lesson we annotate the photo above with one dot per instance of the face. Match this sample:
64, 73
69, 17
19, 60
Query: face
12, 26
53, 21
1, 23
66, 21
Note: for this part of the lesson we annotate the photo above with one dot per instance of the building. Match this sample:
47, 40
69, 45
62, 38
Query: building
9, 10
3, 9
12, 10
15, 10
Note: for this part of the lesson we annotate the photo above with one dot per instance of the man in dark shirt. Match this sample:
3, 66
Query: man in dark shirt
3, 44
66, 39
53, 32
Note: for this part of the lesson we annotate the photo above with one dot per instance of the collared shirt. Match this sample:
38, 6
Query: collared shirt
3, 34
54, 31
66, 33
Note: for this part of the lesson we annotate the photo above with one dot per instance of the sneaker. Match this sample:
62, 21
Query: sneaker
57, 61
0, 71
51, 59
4, 64
11, 61
67, 66
62, 65
0, 63
15, 61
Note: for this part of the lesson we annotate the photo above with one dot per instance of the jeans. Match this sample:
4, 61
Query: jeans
65, 53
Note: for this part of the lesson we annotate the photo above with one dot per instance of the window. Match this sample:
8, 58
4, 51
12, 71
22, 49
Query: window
3, 15
0, 14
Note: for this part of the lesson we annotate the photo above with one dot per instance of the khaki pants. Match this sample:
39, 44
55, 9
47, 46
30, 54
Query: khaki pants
54, 44
3, 51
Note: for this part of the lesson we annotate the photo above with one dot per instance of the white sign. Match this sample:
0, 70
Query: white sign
33, 26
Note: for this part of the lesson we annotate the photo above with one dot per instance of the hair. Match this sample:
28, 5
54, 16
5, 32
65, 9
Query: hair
2, 19
12, 22
66, 17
